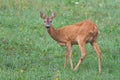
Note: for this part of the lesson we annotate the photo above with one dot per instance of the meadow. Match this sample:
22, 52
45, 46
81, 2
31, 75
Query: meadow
27, 52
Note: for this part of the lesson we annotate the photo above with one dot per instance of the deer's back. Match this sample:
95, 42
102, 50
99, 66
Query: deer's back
85, 30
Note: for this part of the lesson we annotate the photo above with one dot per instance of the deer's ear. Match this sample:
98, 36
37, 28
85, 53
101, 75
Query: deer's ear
42, 15
53, 15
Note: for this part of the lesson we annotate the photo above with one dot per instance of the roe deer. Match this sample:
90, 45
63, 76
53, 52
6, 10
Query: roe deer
78, 33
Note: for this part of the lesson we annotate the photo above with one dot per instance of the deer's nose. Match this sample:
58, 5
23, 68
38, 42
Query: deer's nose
47, 26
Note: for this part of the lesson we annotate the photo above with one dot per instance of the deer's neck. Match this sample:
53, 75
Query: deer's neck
53, 33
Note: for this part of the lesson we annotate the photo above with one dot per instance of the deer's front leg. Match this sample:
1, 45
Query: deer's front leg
83, 54
66, 57
68, 54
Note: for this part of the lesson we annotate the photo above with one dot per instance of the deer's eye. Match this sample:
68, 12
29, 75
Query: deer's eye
44, 21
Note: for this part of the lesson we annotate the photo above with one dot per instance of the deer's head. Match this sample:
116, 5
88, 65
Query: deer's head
47, 20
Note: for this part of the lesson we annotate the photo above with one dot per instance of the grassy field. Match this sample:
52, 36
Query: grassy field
27, 52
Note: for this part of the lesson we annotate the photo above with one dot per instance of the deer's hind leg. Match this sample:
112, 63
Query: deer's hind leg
97, 50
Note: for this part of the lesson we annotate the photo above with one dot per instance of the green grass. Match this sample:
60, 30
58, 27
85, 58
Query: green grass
27, 52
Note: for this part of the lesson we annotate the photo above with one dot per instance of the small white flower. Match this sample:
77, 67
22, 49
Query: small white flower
101, 5
76, 2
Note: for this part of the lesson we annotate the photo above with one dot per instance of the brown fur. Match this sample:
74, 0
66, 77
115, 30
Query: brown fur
85, 31
79, 33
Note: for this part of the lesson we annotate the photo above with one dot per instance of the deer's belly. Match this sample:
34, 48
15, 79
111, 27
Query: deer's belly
61, 44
